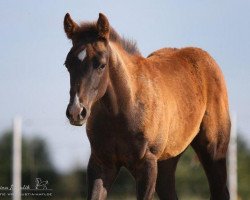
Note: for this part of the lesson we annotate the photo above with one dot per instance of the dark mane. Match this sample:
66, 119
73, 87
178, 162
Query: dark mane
88, 31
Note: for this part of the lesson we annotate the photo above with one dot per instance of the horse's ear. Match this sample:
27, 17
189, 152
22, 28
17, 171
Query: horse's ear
70, 27
103, 26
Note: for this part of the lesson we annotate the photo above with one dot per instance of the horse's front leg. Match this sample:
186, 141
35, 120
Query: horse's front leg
146, 175
100, 178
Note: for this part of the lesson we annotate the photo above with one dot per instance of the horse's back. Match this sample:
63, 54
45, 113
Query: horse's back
195, 65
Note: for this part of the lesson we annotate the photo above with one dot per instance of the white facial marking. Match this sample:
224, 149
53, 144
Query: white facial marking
75, 109
76, 100
82, 55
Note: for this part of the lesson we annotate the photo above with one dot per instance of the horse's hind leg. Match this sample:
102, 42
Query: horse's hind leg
165, 186
211, 146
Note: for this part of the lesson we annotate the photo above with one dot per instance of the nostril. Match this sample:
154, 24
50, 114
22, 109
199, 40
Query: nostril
84, 113
68, 114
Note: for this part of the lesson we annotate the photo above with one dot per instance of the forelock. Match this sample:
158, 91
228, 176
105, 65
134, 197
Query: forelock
88, 33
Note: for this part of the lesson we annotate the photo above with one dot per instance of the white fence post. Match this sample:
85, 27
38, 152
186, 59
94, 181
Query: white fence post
232, 160
17, 158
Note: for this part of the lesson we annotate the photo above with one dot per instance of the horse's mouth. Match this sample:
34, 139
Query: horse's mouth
77, 123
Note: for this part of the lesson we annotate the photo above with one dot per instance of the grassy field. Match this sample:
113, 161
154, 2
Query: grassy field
156, 198
134, 198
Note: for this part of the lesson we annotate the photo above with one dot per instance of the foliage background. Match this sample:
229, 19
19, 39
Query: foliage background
191, 182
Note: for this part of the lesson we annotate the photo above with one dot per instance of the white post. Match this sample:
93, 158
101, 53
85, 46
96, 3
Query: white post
232, 161
17, 158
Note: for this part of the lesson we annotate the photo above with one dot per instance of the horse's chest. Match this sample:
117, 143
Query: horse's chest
117, 144
131, 148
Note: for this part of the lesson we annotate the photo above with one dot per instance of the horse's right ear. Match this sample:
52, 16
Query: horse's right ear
70, 27
103, 26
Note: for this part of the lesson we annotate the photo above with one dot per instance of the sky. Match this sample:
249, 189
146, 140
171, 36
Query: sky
34, 84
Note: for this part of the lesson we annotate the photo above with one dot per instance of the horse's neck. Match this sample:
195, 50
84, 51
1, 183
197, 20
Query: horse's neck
121, 87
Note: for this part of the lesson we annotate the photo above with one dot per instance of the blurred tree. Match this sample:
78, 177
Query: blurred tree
73, 184
190, 177
5, 159
36, 161
124, 185
243, 169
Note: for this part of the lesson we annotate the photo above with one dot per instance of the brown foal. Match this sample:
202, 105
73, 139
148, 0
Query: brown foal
142, 113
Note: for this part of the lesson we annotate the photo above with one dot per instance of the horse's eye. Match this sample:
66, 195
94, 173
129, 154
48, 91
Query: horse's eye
102, 66
96, 63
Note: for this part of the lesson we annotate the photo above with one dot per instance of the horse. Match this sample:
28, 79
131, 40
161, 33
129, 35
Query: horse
141, 113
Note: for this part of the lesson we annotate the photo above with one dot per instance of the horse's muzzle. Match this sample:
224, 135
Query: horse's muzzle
76, 114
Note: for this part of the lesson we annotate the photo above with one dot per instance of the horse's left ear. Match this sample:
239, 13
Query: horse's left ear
103, 26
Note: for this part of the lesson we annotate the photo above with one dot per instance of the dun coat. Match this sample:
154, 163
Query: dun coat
142, 113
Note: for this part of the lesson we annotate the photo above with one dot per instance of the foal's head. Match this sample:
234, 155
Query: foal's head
87, 63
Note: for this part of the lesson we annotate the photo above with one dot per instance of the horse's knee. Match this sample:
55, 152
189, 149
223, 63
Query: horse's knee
218, 150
